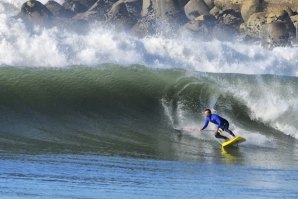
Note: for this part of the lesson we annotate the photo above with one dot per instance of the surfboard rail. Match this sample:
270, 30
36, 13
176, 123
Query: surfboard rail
233, 141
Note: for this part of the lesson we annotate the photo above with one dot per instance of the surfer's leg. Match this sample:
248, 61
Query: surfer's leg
230, 132
218, 135
226, 128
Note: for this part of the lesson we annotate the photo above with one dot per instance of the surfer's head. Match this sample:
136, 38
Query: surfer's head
207, 112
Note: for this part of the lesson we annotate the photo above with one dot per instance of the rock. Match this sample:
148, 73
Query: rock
35, 12
275, 27
294, 19
195, 8
230, 18
58, 10
277, 15
203, 24
98, 11
254, 24
228, 4
276, 34
168, 10
145, 26
209, 3
159, 13
147, 7
78, 6
295, 23
250, 7
214, 11
125, 12
291, 6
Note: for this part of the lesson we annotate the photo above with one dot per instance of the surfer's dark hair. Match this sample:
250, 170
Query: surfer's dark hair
207, 110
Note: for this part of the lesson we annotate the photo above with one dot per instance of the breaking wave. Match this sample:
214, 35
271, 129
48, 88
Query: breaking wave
58, 47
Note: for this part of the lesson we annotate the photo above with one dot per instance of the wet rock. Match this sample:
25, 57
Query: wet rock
228, 4
78, 6
277, 15
147, 7
214, 11
168, 10
125, 12
209, 3
274, 27
145, 26
195, 8
203, 24
156, 14
254, 25
36, 13
58, 10
294, 19
275, 34
97, 12
250, 7
230, 18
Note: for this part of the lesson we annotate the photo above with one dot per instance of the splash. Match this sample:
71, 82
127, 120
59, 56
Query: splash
57, 47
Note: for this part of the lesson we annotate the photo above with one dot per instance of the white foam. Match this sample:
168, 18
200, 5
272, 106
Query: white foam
59, 48
272, 102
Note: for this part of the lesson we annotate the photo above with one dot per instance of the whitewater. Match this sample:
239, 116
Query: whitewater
103, 45
95, 113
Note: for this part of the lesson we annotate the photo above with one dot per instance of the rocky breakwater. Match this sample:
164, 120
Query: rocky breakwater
273, 22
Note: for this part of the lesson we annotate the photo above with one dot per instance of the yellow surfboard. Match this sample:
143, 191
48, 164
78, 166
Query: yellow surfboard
233, 142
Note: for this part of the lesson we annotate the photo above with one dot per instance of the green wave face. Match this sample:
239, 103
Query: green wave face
112, 109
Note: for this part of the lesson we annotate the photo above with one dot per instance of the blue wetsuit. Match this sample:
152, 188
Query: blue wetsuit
221, 123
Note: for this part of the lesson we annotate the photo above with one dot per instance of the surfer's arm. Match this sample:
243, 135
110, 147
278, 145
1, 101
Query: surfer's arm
206, 124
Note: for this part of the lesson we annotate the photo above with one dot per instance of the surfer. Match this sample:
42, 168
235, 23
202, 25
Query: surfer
222, 124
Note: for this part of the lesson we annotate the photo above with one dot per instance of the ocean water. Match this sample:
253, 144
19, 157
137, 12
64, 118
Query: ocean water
93, 114
93, 176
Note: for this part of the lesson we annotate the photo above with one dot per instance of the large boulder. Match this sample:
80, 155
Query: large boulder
202, 24
156, 14
275, 34
145, 25
230, 18
58, 10
98, 11
168, 10
78, 6
294, 19
209, 3
228, 4
35, 12
195, 8
250, 7
254, 25
274, 27
147, 7
125, 12
278, 15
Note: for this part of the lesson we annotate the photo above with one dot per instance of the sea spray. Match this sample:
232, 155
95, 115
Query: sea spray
59, 47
